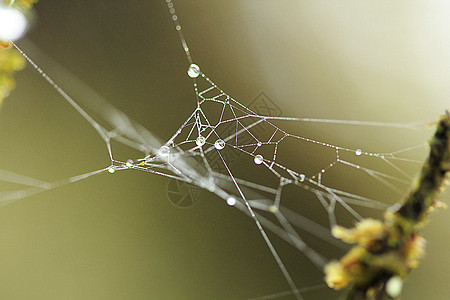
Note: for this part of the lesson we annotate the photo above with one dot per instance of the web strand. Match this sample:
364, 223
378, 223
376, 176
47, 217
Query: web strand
179, 30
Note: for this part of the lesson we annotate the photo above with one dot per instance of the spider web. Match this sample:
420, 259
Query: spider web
266, 185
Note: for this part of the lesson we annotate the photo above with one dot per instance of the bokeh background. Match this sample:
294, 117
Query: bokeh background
117, 236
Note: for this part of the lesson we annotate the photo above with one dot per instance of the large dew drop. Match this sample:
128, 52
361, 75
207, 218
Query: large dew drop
258, 159
219, 144
394, 286
200, 141
193, 71
13, 23
231, 201
358, 152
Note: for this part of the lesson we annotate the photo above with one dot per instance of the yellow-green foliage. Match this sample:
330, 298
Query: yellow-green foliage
23, 3
10, 60
386, 251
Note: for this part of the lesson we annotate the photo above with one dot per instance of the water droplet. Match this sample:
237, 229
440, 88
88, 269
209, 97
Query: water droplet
164, 151
258, 159
111, 170
259, 144
301, 177
219, 144
200, 141
231, 201
178, 27
394, 286
358, 152
193, 71
129, 163
13, 25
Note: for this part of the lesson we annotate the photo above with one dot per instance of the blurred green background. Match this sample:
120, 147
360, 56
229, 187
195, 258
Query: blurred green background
117, 236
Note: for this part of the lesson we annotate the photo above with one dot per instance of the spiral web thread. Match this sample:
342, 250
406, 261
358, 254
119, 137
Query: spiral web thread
219, 129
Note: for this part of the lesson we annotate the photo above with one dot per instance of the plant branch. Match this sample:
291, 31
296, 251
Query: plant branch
386, 251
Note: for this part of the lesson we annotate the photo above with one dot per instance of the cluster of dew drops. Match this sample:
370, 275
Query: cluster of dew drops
194, 72
219, 144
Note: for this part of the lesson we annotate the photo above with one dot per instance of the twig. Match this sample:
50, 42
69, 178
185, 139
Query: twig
386, 251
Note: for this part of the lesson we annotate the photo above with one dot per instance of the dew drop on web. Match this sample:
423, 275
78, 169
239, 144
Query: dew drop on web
193, 71
258, 159
219, 144
200, 141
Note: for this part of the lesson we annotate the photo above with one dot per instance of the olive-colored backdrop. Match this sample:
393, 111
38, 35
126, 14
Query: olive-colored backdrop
117, 236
